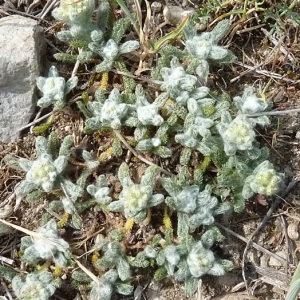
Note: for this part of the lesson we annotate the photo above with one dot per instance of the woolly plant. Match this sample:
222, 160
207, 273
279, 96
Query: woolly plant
114, 256
71, 192
135, 199
46, 244
237, 134
46, 172
211, 132
177, 82
100, 192
199, 207
263, 180
111, 50
68, 202
146, 114
107, 284
77, 15
38, 285
54, 89
111, 113
190, 260
204, 50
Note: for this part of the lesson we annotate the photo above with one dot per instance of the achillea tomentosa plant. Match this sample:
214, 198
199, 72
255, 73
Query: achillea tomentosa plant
111, 50
113, 256
38, 285
185, 116
107, 284
46, 172
111, 113
47, 245
54, 89
93, 37
100, 192
189, 260
78, 15
135, 199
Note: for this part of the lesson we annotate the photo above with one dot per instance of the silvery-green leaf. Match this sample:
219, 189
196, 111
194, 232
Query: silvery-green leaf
76, 221
101, 291
203, 71
185, 201
25, 188
155, 200
172, 255
131, 121
84, 56
140, 132
110, 50
92, 189
93, 123
199, 46
53, 72
161, 100
163, 152
218, 53
60, 163
200, 92
262, 120
220, 30
105, 66
123, 269
124, 173
40, 82
148, 115
204, 149
116, 206
41, 145
97, 35
192, 105
70, 84
183, 271
24, 164
216, 270
150, 251
148, 144
200, 260
161, 257
190, 285
95, 107
73, 190
140, 217
123, 289
128, 47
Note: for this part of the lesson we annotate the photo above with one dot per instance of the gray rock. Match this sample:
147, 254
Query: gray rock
22, 48
176, 14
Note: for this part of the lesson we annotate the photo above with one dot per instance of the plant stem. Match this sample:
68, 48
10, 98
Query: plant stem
136, 154
275, 112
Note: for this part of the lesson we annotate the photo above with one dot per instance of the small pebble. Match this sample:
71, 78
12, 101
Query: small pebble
156, 6
273, 262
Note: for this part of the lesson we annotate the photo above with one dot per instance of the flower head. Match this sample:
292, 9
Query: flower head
237, 134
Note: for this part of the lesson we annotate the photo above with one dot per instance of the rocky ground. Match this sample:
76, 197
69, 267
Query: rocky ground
270, 62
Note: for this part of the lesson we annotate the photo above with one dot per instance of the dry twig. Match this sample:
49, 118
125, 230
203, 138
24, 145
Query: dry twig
139, 156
